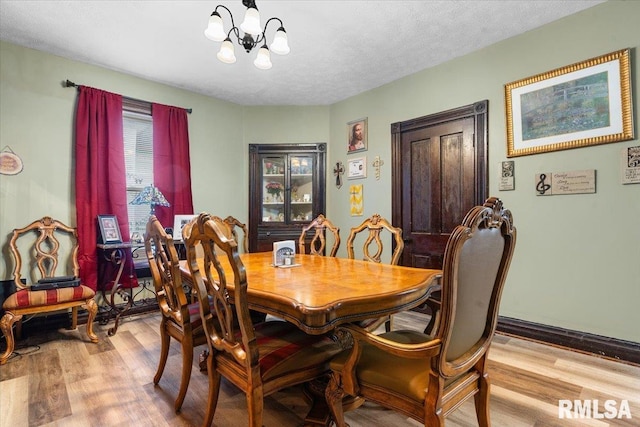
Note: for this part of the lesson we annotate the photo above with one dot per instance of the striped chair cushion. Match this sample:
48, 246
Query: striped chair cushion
26, 298
283, 348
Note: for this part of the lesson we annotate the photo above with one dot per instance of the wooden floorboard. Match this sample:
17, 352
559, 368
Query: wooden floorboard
61, 379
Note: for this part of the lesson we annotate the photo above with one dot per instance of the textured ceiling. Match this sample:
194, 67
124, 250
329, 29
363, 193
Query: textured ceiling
338, 48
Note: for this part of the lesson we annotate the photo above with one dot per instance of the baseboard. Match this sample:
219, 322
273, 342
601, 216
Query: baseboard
612, 348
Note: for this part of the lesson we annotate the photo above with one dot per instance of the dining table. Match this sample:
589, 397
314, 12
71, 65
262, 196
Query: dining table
319, 293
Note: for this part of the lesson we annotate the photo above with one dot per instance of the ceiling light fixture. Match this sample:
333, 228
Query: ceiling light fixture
253, 35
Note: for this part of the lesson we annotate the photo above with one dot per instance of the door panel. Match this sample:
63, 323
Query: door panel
442, 174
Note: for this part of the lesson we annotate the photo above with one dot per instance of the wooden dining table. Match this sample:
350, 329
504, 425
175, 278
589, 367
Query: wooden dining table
319, 293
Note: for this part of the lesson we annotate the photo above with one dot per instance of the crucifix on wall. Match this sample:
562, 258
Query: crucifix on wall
338, 171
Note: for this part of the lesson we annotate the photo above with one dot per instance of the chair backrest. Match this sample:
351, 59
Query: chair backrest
221, 264
165, 271
375, 225
233, 223
476, 261
318, 242
54, 247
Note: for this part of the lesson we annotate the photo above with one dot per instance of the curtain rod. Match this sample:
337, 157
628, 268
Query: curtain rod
69, 83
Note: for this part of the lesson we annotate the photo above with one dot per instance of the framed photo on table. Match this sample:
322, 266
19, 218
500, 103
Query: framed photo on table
582, 104
109, 229
179, 221
357, 136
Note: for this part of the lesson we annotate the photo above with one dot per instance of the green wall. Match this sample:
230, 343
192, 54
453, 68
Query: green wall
577, 260
576, 264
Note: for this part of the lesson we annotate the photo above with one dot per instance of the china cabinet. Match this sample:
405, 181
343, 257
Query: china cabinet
286, 191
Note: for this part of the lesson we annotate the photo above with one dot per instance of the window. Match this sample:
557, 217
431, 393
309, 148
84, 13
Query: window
138, 155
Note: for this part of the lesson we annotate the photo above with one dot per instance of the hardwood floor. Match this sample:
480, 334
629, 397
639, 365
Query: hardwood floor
60, 379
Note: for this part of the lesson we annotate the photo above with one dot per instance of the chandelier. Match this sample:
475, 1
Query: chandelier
254, 34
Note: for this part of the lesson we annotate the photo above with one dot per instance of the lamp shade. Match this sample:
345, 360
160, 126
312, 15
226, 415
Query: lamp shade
251, 23
215, 29
226, 53
263, 60
280, 43
150, 195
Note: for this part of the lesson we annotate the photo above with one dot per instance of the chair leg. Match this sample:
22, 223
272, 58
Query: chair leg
482, 402
74, 318
92, 308
214, 389
164, 351
187, 363
333, 396
6, 325
255, 405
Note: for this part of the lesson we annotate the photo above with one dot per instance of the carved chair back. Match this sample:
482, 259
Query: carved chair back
374, 226
318, 241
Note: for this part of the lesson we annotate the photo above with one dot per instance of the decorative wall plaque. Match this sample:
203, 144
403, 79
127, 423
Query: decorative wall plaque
10, 163
630, 165
507, 177
560, 183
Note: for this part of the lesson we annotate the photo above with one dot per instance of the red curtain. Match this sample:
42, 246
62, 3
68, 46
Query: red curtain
171, 164
100, 178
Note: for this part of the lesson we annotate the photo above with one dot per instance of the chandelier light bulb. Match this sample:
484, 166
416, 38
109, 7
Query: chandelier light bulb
251, 23
263, 60
280, 43
226, 53
215, 29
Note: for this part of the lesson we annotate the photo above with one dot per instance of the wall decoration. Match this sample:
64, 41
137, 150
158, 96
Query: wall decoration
357, 136
109, 229
377, 164
338, 171
508, 176
357, 168
630, 165
561, 183
583, 104
356, 200
10, 163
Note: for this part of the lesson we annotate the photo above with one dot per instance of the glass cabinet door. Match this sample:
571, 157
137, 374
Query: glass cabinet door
273, 188
301, 183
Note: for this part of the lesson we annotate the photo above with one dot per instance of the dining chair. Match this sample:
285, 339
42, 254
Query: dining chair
318, 241
50, 249
427, 377
375, 225
261, 358
180, 320
234, 224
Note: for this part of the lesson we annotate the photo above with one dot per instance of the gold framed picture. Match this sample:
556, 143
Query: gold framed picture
582, 104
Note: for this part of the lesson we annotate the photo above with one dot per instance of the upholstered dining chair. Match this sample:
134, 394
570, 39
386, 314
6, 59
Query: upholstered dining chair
259, 359
51, 250
375, 225
427, 377
180, 320
318, 241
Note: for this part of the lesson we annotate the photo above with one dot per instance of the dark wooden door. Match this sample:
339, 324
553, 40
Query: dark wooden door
439, 173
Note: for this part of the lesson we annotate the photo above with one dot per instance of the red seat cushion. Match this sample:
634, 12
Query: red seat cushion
27, 298
283, 348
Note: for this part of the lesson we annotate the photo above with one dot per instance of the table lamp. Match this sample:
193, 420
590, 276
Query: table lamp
150, 195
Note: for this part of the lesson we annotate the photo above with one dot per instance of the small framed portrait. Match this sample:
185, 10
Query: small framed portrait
357, 168
109, 229
357, 136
